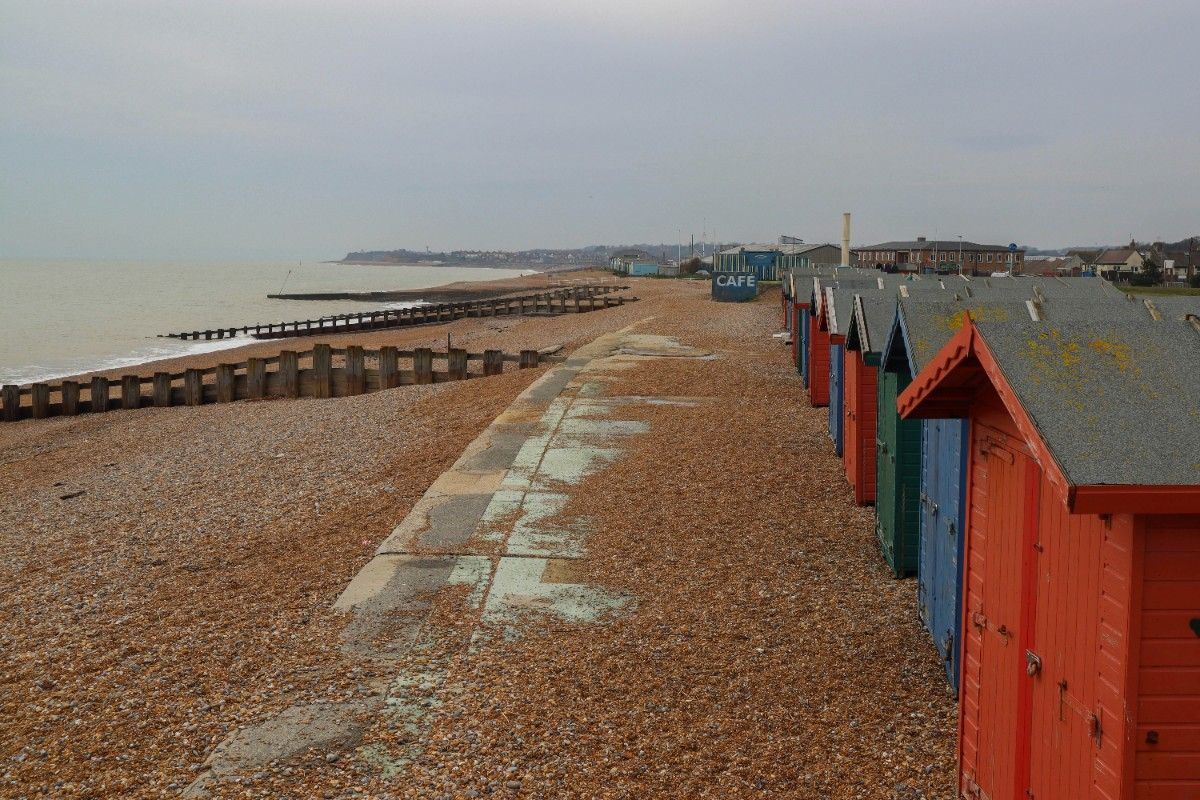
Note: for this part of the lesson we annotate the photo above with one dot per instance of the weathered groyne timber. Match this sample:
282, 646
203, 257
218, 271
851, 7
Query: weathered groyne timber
359, 371
575, 299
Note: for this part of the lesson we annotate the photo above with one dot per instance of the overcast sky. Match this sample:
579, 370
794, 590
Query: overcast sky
265, 129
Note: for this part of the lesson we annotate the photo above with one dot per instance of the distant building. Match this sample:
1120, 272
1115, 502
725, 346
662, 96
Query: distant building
923, 255
1119, 263
1052, 266
768, 260
1178, 266
1087, 256
620, 262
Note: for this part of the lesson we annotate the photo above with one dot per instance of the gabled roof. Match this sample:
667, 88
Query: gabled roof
1110, 406
1115, 255
923, 323
874, 311
838, 305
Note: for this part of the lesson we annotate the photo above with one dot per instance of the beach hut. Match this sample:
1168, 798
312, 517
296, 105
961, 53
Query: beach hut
920, 465
1081, 619
839, 312
818, 349
925, 459
864, 343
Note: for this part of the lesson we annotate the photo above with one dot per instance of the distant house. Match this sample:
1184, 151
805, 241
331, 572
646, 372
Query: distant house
1119, 263
1087, 256
620, 262
1052, 266
947, 255
1178, 265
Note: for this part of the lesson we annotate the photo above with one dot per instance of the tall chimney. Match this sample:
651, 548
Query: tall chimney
846, 239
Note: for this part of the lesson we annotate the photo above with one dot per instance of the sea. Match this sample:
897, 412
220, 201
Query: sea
63, 317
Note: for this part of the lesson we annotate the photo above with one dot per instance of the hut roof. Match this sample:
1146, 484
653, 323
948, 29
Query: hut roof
1110, 404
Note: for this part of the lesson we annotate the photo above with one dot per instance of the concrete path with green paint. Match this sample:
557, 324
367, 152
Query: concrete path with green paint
489, 526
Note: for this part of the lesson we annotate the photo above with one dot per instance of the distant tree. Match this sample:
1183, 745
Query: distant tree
1194, 281
690, 266
1151, 274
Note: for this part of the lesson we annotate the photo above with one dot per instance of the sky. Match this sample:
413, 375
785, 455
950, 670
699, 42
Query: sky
265, 129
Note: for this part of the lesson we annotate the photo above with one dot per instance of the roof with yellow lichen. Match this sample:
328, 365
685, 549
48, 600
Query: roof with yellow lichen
1115, 399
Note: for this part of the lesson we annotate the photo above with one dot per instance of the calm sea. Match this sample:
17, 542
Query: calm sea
64, 317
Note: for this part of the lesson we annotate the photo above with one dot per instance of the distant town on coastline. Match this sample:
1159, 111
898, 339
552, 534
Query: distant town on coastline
1139, 262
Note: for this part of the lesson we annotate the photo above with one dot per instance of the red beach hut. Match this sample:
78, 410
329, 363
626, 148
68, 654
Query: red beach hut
818, 349
1081, 608
871, 316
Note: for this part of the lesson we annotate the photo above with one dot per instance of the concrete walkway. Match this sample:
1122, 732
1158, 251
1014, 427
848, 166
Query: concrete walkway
489, 528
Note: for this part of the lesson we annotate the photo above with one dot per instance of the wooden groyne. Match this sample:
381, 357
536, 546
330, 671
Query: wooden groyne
310, 373
575, 299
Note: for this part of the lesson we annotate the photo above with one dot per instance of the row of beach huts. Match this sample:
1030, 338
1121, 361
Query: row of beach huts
1032, 450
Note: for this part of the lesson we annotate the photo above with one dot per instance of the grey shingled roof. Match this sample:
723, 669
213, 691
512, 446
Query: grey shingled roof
1173, 306
843, 292
1116, 400
930, 322
873, 315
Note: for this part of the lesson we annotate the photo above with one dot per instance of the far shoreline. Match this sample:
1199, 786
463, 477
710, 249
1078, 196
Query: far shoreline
242, 347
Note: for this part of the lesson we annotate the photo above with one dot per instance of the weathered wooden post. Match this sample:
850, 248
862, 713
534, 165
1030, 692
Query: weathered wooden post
493, 362
256, 378
193, 387
422, 365
131, 391
456, 364
289, 373
322, 371
11, 395
70, 398
356, 376
226, 383
529, 358
389, 368
99, 394
162, 390
12, 402
39, 396
208, 334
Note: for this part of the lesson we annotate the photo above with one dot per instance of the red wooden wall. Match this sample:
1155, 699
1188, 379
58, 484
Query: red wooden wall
818, 363
858, 443
1168, 661
1106, 607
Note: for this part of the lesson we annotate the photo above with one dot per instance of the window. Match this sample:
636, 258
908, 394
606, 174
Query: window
989, 258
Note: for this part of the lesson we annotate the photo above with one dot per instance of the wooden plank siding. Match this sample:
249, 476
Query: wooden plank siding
818, 367
1167, 763
836, 390
858, 448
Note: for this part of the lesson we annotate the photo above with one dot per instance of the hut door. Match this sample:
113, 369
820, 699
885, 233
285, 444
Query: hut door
995, 700
1070, 653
